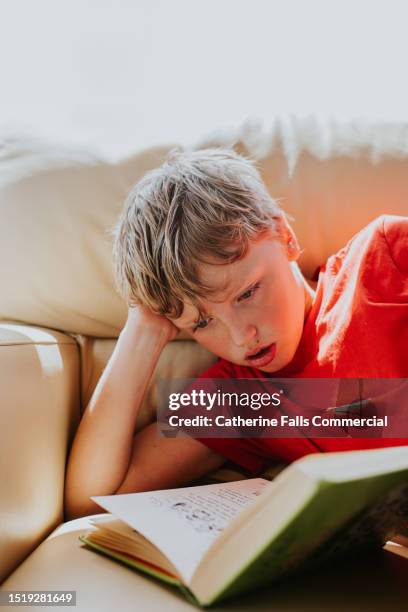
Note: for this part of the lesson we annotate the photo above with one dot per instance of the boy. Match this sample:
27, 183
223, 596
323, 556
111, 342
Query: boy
202, 247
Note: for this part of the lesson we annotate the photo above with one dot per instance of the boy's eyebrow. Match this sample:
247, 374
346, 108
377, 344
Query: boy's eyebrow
233, 292
236, 292
196, 319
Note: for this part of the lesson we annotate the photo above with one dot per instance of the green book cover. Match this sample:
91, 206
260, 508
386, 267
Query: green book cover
340, 519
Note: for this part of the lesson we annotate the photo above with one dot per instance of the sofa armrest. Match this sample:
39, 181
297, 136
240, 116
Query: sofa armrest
39, 412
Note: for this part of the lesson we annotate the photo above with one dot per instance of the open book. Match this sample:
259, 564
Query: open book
215, 541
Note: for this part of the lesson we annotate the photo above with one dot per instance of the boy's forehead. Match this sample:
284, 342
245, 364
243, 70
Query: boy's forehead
219, 277
226, 278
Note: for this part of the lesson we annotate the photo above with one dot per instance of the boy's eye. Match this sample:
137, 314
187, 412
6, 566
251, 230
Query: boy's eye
202, 324
249, 293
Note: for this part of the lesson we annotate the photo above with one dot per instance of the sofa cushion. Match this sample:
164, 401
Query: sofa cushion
181, 359
61, 562
57, 208
39, 412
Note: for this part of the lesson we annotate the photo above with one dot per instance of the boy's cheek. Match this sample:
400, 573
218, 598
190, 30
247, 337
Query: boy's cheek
213, 344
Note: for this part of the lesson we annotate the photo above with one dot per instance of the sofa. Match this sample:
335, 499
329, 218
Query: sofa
60, 315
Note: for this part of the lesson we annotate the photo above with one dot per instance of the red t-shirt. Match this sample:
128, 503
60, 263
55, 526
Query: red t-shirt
357, 328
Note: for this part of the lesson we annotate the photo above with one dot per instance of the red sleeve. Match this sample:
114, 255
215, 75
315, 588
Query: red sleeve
395, 231
220, 369
237, 450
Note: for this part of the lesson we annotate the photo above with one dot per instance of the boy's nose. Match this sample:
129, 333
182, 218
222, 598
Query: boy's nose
244, 335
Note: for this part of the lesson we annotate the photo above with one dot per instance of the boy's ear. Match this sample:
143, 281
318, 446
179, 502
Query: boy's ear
293, 248
288, 238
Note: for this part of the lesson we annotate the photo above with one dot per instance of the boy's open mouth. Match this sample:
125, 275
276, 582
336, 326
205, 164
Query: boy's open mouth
264, 356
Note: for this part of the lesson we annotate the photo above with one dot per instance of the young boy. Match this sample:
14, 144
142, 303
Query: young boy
202, 247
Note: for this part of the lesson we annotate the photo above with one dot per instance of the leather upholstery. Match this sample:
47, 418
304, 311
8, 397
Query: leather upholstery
39, 412
179, 359
61, 562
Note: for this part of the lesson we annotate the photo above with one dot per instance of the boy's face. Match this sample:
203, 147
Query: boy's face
262, 307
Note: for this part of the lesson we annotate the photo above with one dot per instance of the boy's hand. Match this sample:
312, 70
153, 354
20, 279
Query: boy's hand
142, 316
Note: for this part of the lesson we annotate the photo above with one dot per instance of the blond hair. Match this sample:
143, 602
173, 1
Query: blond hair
203, 206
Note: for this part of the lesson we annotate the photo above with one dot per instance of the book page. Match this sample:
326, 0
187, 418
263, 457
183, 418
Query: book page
183, 523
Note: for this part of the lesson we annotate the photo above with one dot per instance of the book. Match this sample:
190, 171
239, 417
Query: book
215, 541
398, 545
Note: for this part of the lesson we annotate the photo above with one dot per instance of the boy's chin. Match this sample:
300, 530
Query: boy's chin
271, 368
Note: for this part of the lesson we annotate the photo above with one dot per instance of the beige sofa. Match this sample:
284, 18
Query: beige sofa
60, 315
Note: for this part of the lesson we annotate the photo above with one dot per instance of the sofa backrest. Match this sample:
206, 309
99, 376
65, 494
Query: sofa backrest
58, 207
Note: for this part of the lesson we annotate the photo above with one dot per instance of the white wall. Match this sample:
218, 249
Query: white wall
124, 74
